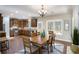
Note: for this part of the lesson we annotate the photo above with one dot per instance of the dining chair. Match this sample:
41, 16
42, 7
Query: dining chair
29, 47
4, 43
38, 33
46, 47
51, 40
4, 46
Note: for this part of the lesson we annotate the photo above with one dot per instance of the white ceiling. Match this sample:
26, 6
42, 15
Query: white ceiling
25, 11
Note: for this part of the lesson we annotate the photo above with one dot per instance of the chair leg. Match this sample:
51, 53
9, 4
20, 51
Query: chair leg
24, 51
3, 52
40, 50
51, 48
48, 48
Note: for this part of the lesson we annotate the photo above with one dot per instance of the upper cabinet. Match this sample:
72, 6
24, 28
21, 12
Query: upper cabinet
13, 22
33, 22
20, 23
25, 23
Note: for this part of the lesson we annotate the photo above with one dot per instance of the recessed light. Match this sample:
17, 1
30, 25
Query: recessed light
16, 11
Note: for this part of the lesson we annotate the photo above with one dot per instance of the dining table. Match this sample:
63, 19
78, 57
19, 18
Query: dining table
39, 41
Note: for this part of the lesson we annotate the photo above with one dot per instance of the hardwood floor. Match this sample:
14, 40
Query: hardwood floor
16, 44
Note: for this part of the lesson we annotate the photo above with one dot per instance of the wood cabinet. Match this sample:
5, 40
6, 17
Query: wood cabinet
13, 22
21, 23
4, 44
2, 34
25, 23
1, 23
24, 32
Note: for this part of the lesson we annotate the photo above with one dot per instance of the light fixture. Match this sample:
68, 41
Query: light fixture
43, 11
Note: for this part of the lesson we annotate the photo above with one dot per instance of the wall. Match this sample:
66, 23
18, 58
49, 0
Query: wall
75, 18
66, 35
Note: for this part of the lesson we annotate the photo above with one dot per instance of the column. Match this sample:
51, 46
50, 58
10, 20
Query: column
75, 19
7, 29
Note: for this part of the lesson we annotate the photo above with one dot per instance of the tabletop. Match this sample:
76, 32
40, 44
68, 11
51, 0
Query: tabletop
39, 40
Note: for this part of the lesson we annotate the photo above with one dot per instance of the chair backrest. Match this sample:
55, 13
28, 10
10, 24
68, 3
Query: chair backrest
38, 33
4, 45
51, 36
27, 43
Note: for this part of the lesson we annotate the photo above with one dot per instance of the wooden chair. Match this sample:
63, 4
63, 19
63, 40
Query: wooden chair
29, 47
46, 47
38, 33
4, 44
51, 40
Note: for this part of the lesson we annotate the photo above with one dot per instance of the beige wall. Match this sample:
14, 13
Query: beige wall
66, 35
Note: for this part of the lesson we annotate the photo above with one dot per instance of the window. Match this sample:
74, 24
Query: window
50, 26
66, 25
54, 25
58, 26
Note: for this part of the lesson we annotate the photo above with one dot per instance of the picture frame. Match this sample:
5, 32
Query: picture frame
33, 22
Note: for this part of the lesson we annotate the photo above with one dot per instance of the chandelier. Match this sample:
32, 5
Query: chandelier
43, 11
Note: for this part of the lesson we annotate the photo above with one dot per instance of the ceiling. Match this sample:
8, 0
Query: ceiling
25, 11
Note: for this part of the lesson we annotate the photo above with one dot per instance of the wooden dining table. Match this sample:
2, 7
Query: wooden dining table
40, 42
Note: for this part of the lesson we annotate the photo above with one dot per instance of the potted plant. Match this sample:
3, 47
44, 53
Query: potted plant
75, 41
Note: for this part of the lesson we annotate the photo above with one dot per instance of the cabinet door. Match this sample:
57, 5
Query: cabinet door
1, 24
25, 23
20, 23
13, 22
16, 22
